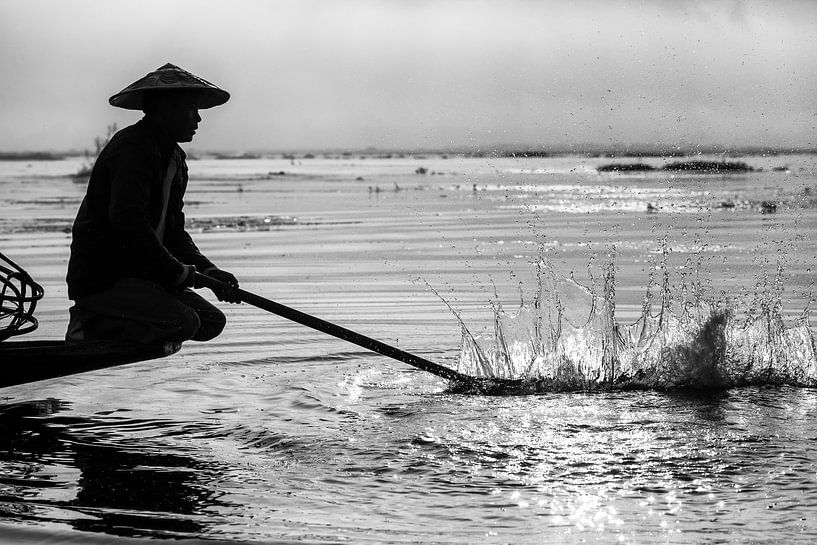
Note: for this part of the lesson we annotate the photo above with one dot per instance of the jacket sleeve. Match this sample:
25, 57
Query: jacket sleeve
133, 168
177, 240
181, 244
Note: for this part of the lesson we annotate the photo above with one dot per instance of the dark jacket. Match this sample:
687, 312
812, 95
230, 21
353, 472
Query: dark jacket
114, 231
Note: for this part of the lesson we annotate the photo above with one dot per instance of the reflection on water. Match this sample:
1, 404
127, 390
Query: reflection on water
53, 469
630, 467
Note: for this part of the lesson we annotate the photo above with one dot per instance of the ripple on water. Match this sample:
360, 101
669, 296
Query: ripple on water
271, 433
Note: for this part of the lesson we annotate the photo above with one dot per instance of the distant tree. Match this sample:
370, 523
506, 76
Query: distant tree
99, 143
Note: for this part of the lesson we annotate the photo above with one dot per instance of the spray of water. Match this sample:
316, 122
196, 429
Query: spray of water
568, 338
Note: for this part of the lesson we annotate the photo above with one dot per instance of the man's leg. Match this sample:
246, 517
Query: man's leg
211, 319
139, 310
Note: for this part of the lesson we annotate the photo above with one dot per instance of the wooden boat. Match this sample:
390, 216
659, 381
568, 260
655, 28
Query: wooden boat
30, 361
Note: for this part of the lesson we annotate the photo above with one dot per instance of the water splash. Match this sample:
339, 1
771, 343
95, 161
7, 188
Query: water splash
568, 339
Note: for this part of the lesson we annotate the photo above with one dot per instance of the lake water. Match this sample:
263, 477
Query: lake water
277, 433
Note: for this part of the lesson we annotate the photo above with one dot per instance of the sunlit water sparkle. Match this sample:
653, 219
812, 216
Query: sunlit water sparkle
276, 433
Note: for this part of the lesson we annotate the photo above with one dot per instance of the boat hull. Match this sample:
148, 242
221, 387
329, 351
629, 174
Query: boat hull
29, 361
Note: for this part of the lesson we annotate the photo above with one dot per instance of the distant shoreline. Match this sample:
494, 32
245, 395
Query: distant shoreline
496, 151
32, 156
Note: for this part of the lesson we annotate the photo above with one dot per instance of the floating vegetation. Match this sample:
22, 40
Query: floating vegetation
239, 223
36, 225
568, 339
700, 167
709, 167
227, 224
234, 156
626, 167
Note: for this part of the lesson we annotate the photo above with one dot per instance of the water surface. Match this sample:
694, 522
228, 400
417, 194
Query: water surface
274, 432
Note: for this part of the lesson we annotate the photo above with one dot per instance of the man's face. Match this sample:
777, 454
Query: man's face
183, 118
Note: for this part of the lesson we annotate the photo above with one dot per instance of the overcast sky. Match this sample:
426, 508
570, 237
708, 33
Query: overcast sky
316, 74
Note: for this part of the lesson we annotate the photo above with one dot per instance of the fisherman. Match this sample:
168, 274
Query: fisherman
132, 262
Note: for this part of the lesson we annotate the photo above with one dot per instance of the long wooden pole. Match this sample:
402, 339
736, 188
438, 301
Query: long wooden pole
334, 330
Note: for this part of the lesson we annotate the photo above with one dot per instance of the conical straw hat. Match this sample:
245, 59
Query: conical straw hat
168, 77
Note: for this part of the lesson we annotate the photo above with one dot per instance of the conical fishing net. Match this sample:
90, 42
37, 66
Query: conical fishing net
19, 294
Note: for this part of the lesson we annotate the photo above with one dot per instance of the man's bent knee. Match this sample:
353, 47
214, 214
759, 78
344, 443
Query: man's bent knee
187, 326
212, 324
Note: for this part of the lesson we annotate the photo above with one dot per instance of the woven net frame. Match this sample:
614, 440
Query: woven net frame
19, 294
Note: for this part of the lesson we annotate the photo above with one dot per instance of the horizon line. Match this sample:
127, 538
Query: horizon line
520, 150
